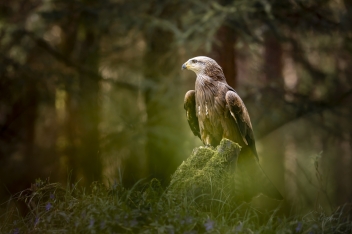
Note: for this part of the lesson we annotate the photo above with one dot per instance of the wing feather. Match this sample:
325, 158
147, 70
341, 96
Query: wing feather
239, 112
190, 107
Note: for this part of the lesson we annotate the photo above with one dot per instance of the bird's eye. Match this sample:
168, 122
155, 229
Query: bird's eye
194, 61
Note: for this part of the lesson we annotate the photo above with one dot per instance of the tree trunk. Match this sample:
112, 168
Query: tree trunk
89, 111
82, 102
273, 64
225, 54
274, 83
162, 127
69, 30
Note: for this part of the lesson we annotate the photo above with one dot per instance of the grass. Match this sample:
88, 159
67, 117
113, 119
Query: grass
200, 199
146, 208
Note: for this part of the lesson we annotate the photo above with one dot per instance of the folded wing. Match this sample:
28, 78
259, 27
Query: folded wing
239, 112
250, 179
190, 107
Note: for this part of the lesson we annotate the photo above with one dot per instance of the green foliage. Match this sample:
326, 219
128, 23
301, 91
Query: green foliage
147, 208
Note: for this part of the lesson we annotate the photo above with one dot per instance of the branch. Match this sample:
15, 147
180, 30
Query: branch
302, 109
81, 69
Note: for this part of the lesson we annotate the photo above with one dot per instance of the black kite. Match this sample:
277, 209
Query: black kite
215, 111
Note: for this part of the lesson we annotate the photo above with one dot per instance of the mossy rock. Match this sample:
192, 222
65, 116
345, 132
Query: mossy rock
206, 173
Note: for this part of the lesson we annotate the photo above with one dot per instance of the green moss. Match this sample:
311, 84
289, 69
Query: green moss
206, 173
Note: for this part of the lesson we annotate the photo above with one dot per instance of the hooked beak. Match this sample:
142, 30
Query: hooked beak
184, 66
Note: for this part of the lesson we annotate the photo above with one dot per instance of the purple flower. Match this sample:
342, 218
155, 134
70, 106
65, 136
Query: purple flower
299, 227
52, 196
102, 225
171, 230
48, 206
91, 223
36, 221
239, 227
187, 220
17, 231
209, 225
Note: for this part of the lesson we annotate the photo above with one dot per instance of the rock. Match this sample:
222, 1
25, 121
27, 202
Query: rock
207, 173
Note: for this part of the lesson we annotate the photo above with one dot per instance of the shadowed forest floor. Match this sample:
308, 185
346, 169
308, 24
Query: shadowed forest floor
198, 200
146, 208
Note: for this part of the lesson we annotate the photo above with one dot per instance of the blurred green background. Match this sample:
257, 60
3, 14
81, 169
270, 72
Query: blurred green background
93, 90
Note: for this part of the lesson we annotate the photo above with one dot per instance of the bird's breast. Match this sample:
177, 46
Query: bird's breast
209, 106
203, 109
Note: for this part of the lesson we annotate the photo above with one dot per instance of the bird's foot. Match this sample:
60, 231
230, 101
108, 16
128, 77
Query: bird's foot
209, 146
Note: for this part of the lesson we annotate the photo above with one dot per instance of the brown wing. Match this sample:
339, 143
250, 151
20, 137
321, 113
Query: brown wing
190, 107
250, 177
239, 112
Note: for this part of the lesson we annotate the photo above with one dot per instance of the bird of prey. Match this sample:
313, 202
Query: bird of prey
215, 111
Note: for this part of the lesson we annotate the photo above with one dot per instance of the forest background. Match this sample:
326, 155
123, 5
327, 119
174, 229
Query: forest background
93, 90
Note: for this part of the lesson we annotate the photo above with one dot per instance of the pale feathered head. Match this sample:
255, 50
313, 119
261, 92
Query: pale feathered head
203, 65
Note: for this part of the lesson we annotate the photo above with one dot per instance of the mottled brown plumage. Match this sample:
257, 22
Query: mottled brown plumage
215, 111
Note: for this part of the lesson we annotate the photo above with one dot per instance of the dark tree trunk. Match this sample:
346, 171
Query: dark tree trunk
31, 106
273, 64
69, 40
225, 54
343, 164
20, 174
274, 83
82, 102
90, 160
159, 61
89, 110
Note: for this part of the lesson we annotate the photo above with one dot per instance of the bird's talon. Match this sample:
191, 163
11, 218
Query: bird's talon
209, 146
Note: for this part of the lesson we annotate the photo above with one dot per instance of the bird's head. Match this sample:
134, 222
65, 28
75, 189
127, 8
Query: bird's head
199, 64
205, 66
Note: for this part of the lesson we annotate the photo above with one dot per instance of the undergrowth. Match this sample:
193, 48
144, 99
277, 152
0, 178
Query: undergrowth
199, 199
146, 208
